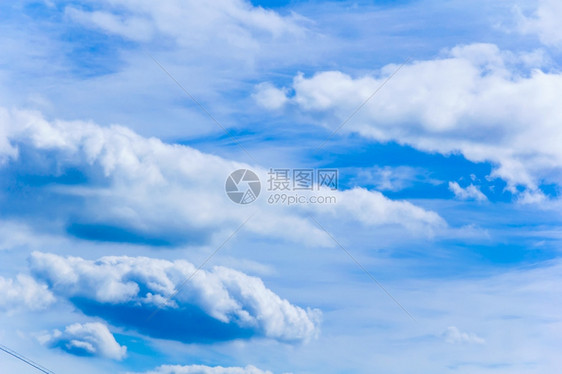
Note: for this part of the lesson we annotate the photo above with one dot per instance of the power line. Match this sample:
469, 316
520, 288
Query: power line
29, 362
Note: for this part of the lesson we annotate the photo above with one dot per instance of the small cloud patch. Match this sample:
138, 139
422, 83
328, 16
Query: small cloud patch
88, 339
454, 336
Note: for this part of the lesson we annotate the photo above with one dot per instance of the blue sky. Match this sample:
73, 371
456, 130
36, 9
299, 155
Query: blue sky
440, 252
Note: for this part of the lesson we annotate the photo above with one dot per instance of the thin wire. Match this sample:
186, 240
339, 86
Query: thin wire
29, 362
180, 287
202, 107
363, 268
362, 105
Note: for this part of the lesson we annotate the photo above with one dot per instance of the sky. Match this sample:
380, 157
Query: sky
251, 187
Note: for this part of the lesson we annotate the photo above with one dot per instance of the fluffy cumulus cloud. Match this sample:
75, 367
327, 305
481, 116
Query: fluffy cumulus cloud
490, 105
109, 183
24, 292
454, 336
470, 192
88, 339
219, 304
202, 369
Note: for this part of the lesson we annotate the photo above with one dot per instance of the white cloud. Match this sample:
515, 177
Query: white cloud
544, 22
166, 192
270, 97
88, 339
203, 369
228, 23
134, 28
390, 179
476, 100
155, 188
372, 208
387, 178
24, 293
454, 336
15, 234
470, 192
533, 197
223, 294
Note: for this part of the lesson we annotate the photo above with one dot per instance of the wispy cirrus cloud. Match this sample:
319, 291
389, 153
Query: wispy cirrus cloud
237, 23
